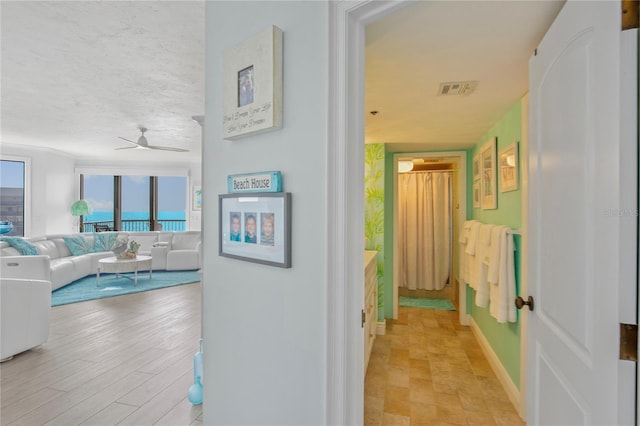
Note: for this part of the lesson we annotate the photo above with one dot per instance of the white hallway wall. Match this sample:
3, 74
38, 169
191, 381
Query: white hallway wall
264, 327
52, 189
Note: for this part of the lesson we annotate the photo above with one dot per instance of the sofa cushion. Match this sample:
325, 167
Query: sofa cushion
185, 241
63, 250
7, 250
23, 246
146, 240
104, 241
77, 244
47, 247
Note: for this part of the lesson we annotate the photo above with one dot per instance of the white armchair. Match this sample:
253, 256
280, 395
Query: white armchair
185, 251
25, 304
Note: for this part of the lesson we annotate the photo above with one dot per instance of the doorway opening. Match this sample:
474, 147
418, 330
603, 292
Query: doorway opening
441, 209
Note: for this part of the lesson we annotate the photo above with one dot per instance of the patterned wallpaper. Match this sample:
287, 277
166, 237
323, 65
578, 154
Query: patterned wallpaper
374, 211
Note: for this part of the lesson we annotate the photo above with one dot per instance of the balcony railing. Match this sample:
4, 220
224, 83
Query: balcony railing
136, 225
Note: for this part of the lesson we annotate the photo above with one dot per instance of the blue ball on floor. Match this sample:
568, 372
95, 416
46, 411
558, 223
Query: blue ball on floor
195, 393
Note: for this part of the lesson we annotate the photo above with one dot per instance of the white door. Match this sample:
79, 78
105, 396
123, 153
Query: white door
578, 222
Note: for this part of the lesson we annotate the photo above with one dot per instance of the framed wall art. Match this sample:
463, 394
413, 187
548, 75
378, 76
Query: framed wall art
252, 79
196, 196
476, 195
488, 182
476, 167
256, 227
509, 168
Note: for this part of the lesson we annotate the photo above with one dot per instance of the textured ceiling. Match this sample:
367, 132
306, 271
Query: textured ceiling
75, 75
78, 74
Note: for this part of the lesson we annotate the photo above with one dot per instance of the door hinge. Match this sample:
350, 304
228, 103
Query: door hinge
364, 318
630, 14
629, 342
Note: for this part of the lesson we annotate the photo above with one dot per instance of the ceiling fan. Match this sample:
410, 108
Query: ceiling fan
144, 144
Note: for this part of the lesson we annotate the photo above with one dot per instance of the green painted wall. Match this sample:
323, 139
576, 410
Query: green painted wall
374, 215
503, 338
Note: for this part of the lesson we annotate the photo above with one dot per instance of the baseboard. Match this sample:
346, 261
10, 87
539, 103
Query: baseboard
510, 388
381, 327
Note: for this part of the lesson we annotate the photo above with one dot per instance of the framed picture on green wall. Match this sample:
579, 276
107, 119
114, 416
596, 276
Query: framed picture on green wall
488, 182
476, 167
476, 195
508, 160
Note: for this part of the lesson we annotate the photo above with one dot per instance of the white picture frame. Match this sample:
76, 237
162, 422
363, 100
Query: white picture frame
196, 195
256, 227
509, 168
252, 79
476, 194
488, 181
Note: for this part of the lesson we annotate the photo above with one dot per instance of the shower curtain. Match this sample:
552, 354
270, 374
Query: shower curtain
424, 210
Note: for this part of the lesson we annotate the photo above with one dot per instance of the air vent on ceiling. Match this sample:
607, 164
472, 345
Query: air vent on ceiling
457, 88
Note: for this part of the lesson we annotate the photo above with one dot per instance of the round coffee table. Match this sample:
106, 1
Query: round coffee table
120, 266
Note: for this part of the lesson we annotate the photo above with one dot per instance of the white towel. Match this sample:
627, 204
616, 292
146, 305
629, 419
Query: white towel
494, 255
464, 257
503, 293
472, 242
482, 257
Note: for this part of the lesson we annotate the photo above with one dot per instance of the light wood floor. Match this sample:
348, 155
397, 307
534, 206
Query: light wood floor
129, 360
429, 370
124, 360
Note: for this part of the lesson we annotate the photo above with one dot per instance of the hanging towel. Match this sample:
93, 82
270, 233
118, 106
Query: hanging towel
472, 242
470, 253
494, 255
503, 293
464, 257
482, 260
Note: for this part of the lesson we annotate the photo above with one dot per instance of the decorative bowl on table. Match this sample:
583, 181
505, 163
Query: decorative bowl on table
5, 227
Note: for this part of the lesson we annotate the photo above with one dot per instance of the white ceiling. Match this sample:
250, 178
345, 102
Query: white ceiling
422, 45
76, 75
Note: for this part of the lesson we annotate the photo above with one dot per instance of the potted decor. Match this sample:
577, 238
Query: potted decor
120, 247
132, 251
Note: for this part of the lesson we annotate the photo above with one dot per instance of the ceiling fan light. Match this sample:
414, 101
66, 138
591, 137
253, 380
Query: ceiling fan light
405, 166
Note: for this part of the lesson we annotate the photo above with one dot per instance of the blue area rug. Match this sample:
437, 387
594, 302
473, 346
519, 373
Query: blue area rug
440, 304
86, 288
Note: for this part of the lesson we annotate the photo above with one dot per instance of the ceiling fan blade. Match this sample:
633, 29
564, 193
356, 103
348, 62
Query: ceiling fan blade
128, 147
167, 148
135, 143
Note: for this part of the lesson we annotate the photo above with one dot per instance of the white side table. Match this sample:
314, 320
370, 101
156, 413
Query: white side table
120, 266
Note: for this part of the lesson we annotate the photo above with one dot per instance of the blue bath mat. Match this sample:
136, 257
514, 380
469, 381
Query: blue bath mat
440, 304
86, 288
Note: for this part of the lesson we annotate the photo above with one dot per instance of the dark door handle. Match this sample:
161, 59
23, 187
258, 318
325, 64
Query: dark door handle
520, 303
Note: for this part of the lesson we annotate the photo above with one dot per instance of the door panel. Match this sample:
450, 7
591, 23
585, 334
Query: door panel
575, 246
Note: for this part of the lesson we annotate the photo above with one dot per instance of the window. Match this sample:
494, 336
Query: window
13, 195
135, 203
98, 192
172, 203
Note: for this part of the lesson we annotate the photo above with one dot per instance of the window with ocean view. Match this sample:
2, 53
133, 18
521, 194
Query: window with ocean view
12, 196
135, 203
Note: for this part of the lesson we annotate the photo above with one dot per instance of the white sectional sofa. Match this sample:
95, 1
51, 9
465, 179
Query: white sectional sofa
170, 251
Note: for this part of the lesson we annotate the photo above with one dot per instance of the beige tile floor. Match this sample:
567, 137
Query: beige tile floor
429, 370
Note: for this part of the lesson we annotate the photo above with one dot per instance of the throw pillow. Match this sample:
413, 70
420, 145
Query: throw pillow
77, 245
23, 246
104, 241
